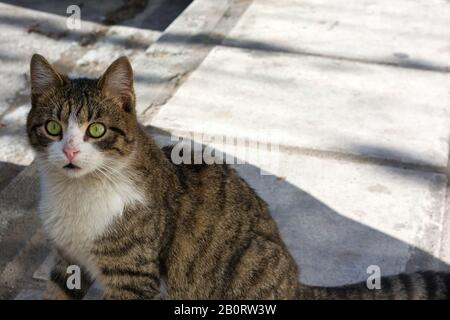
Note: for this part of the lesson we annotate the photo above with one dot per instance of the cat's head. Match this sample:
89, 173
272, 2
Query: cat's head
81, 126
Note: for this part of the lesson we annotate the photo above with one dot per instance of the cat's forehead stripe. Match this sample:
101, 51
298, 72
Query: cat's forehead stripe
65, 111
82, 112
76, 109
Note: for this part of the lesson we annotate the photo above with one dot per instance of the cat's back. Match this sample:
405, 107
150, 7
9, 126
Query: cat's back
226, 243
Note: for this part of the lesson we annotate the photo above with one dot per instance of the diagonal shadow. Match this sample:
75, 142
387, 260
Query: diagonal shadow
399, 159
114, 12
8, 171
210, 39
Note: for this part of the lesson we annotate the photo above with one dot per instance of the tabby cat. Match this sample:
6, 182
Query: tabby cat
113, 203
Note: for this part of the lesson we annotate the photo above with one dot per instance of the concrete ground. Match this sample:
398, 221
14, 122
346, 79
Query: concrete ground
353, 97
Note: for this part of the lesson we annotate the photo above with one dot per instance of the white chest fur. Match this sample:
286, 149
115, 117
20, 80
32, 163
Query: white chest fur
77, 211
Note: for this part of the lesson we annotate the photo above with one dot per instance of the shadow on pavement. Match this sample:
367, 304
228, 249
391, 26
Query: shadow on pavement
8, 171
161, 13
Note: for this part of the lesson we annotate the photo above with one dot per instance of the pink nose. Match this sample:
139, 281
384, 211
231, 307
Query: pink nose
71, 152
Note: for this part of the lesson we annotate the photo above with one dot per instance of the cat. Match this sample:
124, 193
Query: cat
113, 203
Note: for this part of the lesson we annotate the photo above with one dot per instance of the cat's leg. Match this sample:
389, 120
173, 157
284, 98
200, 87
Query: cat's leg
128, 269
58, 287
128, 256
125, 279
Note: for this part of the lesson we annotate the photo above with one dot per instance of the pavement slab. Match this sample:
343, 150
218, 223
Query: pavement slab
411, 34
347, 77
316, 103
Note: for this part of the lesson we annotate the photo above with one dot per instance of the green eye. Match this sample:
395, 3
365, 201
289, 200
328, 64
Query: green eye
53, 128
96, 130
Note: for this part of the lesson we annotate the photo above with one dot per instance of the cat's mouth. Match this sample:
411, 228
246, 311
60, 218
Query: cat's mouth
71, 166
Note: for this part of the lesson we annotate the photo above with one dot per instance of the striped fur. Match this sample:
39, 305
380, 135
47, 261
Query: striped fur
141, 218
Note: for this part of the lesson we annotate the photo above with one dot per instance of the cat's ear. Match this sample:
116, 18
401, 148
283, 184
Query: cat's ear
117, 81
43, 75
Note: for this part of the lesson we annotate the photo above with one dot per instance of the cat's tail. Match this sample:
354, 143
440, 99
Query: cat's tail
427, 285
